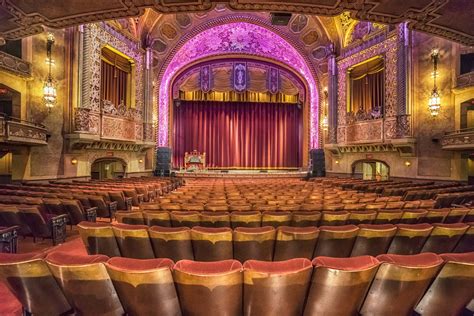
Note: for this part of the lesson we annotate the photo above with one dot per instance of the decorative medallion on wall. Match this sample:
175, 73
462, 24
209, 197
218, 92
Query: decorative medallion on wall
239, 77
310, 38
320, 52
273, 80
205, 78
299, 23
183, 20
159, 46
169, 31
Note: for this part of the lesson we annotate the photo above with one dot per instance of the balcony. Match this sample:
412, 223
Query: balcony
458, 140
18, 132
15, 65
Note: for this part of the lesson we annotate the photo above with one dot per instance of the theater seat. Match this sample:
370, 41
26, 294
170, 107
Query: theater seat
295, 242
305, 218
131, 218
276, 288
456, 215
253, 243
373, 240
209, 288
361, 217
99, 238
85, 283
466, 244
133, 241
412, 216
145, 287
276, 219
171, 242
400, 282
215, 219
335, 241
336, 218
339, 285
157, 218
409, 238
388, 216
185, 218
444, 237
452, 289
212, 244
245, 219
30, 281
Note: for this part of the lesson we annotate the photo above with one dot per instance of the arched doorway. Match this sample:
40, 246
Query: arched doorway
108, 168
371, 169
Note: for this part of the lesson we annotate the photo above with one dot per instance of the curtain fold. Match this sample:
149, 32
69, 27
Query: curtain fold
113, 84
239, 134
367, 93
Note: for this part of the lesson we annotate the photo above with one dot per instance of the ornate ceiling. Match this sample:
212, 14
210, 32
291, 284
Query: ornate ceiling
451, 19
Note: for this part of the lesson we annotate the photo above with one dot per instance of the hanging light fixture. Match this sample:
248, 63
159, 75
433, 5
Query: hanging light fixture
49, 86
434, 103
325, 120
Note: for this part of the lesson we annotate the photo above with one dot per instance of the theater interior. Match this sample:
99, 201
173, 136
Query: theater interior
237, 157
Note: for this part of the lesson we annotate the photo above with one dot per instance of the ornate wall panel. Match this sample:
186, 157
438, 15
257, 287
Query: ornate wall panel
364, 132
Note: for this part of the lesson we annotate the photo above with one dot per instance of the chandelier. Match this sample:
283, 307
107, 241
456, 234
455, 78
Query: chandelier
434, 103
49, 86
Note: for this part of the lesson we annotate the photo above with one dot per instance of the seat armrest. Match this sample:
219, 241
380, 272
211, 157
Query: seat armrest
141, 198
9, 239
91, 214
128, 203
112, 209
58, 228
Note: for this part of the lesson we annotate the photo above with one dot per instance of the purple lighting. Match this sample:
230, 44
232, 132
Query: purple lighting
242, 38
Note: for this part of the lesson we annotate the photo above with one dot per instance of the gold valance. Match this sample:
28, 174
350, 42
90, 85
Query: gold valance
369, 67
121, 62
232, 96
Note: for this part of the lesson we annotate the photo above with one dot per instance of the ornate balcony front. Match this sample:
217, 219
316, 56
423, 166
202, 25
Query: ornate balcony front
17, 132
462, 139
15, 65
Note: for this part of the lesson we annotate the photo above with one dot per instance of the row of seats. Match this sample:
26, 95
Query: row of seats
268, 243
297, 218
61, 283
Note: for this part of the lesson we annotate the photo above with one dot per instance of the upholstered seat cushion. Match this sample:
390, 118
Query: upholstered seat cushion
129, 226
10, 258
208, 268
426, 259
467, 257
278, 267
377, 226
346, 264
254, 230
130, 264
341, 228
63, 258
163, 229
423, 226
86, 224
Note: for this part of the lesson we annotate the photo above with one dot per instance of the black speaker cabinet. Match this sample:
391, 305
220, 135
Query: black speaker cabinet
318, 165
163, 161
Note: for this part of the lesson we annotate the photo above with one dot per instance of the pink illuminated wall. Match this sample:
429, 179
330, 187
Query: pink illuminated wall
235, 38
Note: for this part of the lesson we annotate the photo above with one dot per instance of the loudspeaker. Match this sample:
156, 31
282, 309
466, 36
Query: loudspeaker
163, 162
318, 164
280, 18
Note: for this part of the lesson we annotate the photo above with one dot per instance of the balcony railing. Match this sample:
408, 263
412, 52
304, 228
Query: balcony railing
19, 132
15, 65
459, 139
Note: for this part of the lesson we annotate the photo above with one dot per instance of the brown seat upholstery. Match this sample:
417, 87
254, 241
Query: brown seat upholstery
456, 215
388, 217
255, 243
212, 244
336, 218
145, 287
339, 285
373, 240
305, 218
276, 219
466, 244
409, 238
215, 219
246, 219
133, 241
399, 284
10, 216
335, 241
85, 283
132, 218
44, 226
412, 216
295, 242
276, 288
171, 242
209, 288
157, 218
31, 282
185, 218
452, 289
361, 217
444, 237
436, 216
99, 238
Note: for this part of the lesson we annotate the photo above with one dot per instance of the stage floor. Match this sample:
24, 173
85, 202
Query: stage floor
242, 173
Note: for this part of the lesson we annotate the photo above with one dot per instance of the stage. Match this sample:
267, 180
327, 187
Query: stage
242, 173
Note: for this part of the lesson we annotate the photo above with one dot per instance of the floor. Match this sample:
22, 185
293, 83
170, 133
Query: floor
9, 305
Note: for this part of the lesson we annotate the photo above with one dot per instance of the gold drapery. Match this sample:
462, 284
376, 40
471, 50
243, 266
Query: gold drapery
232, 96
367, 86
115, 71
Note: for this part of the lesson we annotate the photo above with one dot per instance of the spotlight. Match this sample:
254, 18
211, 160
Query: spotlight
74, 161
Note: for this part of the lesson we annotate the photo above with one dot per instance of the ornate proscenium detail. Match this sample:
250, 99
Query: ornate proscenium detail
462, 139
15, 131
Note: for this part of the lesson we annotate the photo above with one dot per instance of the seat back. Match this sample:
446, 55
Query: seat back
336, 218
85, 283
157, 218
255, 243
212, 244
145, 287
388, 217
268, 284
245, 219
305, 218
400, 283
276, 218
373, 240
215, 219
171, 242
361, 217
99, 238
209, 288
130, 218
133, 241
409, 238
336, 278
35, 221
444, 237
295, 242
335, 241
31, 282
185, 218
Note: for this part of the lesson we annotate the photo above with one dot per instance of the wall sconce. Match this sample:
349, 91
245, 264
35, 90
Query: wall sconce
337, 162
407, 163
49, 86
434, 103
74, 161
140, 160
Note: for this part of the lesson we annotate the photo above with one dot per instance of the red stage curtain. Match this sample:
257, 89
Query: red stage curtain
239, 135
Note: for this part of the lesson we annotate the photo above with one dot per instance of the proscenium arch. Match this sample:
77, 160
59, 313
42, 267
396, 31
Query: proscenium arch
242, 38
305, 144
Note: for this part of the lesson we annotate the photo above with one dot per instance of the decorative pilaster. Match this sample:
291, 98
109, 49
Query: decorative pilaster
332, 97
